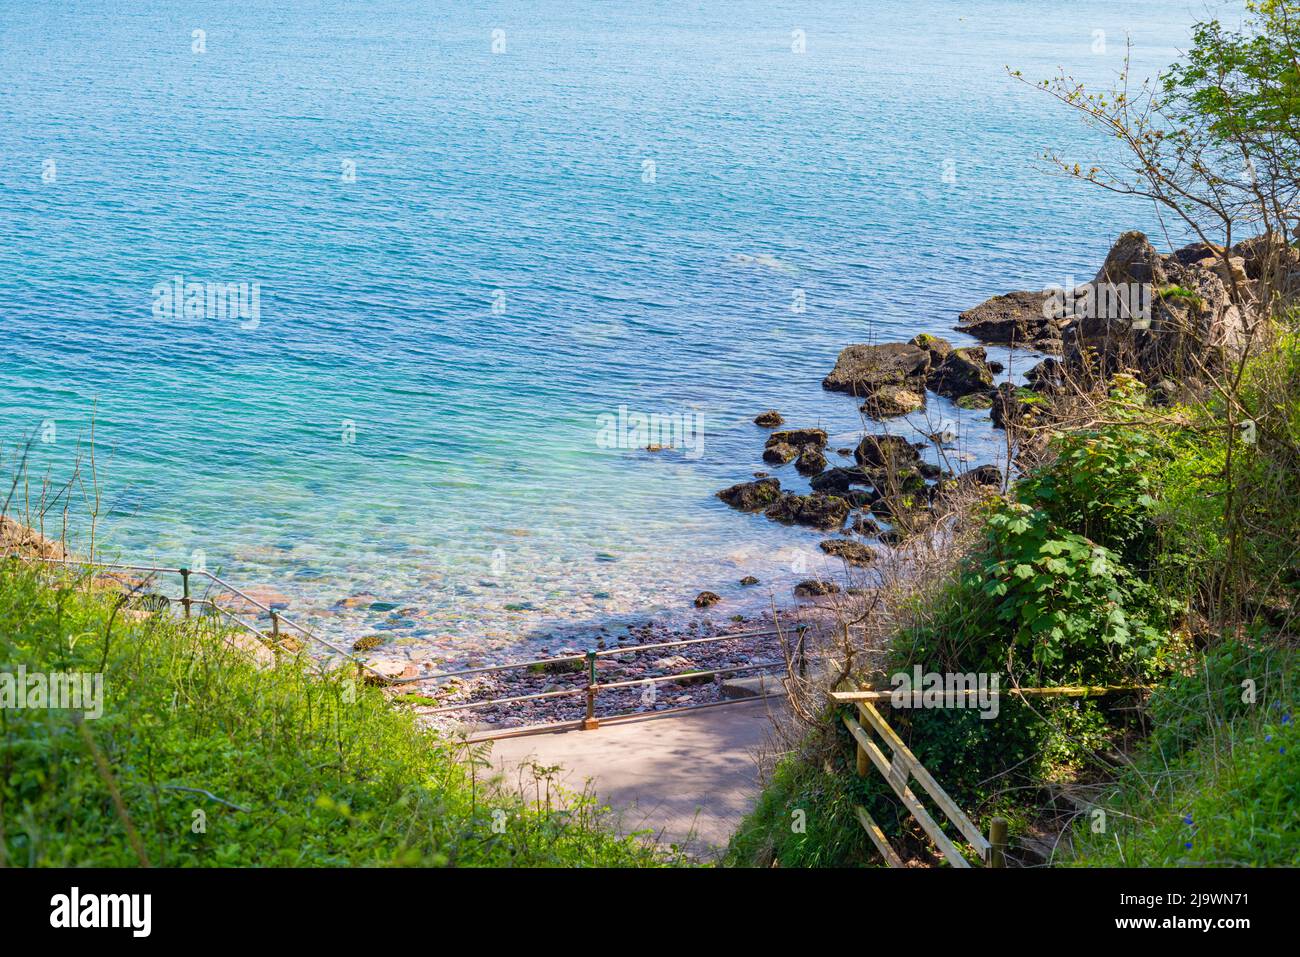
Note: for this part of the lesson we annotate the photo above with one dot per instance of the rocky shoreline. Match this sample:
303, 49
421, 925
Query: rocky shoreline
1192, 310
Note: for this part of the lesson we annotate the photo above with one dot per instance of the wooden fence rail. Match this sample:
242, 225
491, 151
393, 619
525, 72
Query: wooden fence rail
902, 767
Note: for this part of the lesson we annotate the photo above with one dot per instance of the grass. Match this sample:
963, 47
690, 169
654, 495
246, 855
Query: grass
203, 759
1218, 783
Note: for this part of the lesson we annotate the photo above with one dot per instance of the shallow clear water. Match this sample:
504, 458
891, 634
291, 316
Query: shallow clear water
414, 413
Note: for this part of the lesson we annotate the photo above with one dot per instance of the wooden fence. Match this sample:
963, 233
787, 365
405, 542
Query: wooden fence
903, 767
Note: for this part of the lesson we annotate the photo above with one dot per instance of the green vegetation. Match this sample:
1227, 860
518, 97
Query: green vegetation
216, 761
1113, 563
1152, 544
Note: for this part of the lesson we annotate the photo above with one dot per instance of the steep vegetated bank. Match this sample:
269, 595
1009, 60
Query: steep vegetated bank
196, 756
1151, 541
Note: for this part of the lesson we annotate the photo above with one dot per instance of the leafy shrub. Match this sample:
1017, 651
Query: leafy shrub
1099, 485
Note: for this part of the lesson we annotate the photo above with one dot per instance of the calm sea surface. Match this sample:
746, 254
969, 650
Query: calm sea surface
475, 229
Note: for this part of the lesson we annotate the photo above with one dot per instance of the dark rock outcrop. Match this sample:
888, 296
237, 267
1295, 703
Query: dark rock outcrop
961, 372
1016, 318
770, 419
706, 599
854, 553
883, 453
862, 370
817, 510
813, 588
752, 496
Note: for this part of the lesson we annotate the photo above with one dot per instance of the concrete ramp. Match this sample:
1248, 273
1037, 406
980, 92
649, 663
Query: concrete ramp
689, 776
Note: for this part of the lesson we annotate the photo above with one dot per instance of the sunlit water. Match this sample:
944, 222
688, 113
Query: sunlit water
470, 244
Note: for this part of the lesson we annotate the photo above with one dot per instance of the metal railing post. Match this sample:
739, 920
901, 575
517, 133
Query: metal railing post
589, 723
185, 590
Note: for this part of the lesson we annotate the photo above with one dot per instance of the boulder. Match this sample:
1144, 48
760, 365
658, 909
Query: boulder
780, 453
1015, 406
1132, 259
813, 588
837, 480
981, 475
976, 400
853, 553
903, 508
749, 580
961, 372
799, 438
770, 419
1045, 375
1270, 259
863, 524
884, 453
817, 510
938, 348
1016, 318
752, 496
862, 370
706, 599
811, 461
891, 400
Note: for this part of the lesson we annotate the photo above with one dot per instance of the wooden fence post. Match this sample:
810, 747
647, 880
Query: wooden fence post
998, 842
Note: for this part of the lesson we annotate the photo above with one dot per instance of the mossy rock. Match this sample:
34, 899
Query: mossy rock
368, 643
976, 400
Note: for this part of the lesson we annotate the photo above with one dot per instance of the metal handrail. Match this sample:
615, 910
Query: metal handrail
591, 689
581, 656
187, 602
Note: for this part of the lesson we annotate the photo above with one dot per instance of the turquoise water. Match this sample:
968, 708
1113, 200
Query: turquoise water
413, 414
